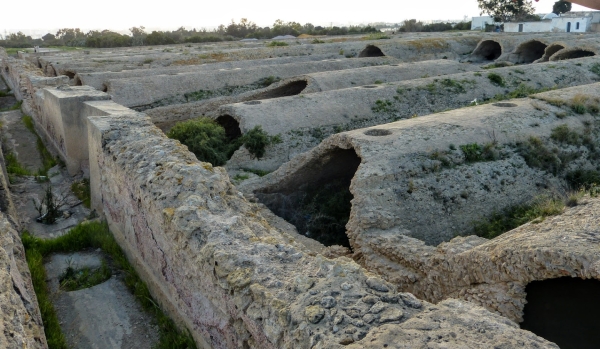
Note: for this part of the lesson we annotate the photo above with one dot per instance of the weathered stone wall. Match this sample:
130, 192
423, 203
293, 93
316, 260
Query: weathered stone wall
64, 122
304, 121
20, 323
98, 79
415, 189
166, 116
168, 89
225, 272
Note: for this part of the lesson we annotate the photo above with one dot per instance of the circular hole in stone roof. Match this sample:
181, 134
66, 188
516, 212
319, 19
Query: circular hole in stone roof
370, 86
504, 105
378, 132
253, 102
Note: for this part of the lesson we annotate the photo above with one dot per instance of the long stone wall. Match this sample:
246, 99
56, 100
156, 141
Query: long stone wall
232, 278
304, 121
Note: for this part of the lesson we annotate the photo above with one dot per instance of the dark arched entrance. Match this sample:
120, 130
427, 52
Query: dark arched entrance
565, 311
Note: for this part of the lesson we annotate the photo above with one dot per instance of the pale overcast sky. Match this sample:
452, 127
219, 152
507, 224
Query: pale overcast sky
36, 17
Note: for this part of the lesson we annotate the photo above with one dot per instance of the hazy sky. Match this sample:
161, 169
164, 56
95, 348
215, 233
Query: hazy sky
37, 16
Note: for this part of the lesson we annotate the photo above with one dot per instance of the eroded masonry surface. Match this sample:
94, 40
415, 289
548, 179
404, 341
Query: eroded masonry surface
358, 179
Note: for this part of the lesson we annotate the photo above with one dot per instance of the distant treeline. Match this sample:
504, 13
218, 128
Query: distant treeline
234, 31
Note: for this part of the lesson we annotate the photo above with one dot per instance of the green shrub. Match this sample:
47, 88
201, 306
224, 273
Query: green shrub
595, 69
515, 216
264, 82
496, 79
256, 141
205, 138
208, 141
383, 106
81, 189
277, 43
317, 41
563, 134
475, 153
539, 156
585, 179
13, 166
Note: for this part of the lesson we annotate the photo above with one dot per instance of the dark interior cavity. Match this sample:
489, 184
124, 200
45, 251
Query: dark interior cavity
231, 126
550, 50
78, 81
104, 88
290, 89
70, 74
564, 311
317, 198
371, 51
572, 54
529, 51
487, 50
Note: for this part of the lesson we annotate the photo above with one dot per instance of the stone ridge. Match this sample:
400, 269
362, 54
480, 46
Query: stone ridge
304, 121
213, 261
417, 165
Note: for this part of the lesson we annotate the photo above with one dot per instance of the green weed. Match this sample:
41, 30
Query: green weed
475, 153
383, 106
85, 236
496, 79
277, 43
78, 279
595, 69
81, 189
563, 134
515, 216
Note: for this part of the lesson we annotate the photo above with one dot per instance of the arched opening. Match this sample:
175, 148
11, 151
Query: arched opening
289, 89
316, 199
550, 50
70, 74
371, 51
104, 88
487, 50
78, 81
568, 27
231, 126
564, 311
529, 51
572, 54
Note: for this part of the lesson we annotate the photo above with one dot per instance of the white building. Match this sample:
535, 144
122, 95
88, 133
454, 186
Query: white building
478, 23
576, 22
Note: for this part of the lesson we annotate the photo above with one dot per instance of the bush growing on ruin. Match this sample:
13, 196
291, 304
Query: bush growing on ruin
208, 140
496, 79
515, 216
277, 43
583, 179
205, 138
256, 141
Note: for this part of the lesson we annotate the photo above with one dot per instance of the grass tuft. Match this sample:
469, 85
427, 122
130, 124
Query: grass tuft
94, 235
81, 189
515, 216
496, 79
